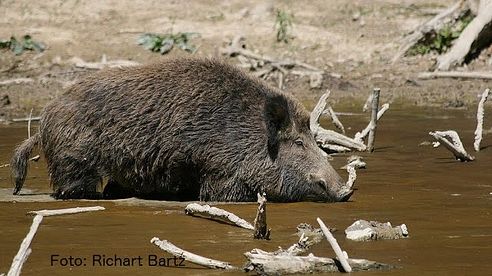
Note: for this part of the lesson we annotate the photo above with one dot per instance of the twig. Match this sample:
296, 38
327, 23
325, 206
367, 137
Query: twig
56, 212
334, 118
24, 251
334, 244
451, 140
16, 81
29, 125
480, 113
456, 74
26, 119
360, 136
374, 120
188, 256
34, 158
261, 230
213, 213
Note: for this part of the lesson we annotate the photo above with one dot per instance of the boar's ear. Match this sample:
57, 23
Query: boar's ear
277, 120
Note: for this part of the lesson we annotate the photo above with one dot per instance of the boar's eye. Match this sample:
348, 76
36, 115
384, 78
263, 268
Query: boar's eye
299, 142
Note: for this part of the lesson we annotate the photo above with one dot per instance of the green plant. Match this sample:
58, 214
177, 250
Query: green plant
165, 42
441, 41
18, 47
283, 25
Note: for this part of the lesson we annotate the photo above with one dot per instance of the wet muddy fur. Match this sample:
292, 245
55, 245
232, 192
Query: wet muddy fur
181, 129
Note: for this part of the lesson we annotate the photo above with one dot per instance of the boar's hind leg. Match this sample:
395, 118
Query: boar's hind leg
114, 190
79, 186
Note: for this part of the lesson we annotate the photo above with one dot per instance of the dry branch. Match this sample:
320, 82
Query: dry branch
261, 230
480, 113
374, 119
24, 250
456, 74
80, 63
26, 119
334, 118
213, 213
188, 256
334, 244
463, 45
317, 111
434, 24
334, 148
451, 140
326, 136
67, 211
360, 136
16, 81
34, 159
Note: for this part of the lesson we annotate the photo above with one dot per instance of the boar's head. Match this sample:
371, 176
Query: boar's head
305, 173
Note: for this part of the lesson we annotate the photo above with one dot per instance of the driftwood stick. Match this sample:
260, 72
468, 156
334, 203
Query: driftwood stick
352, 177
23, 252
334, 148
316, 113
462, 46
334, 118
213, 213
360, 136
16, 81
80, 63
433, 24
456, 74
374, 119
480, 113
34, 158
451, 140
326, 136
334, 244
367, 103
29, 125
26, 119
188, 256
261, 230
56, 212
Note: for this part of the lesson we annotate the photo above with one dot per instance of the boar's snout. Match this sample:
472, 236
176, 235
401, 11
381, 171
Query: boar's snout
332, 185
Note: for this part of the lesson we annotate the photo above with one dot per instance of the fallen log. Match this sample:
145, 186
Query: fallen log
456, 74
363, 230
480, 114
463, 45
188, 256
432, 25
261, 230
451, 140
217, 214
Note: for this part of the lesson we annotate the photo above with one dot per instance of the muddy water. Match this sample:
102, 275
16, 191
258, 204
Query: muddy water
445, 204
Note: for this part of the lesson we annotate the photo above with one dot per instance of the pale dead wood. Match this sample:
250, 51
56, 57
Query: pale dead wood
80, 63
356, 162
463, 45
24, 251
261, 230
374, 119
480, 114
434, 24
456, 75
29, 125
451, 140
367, 103
334, 118
352, 177
363, 230
334, 148
360, 136
317, 111
341, 255
188, 256
34, 158
326, 136
67, 211
32, 119
214, 213
16, 81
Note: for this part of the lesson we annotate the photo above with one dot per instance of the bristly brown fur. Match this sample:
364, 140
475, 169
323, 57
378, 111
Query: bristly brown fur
182, 129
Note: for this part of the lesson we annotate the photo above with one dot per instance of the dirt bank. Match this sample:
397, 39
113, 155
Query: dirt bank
355, 40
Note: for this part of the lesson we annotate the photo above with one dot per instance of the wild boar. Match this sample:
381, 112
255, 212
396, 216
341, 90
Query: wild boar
180, 129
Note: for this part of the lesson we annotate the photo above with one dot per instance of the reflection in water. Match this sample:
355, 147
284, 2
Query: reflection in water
445, 204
